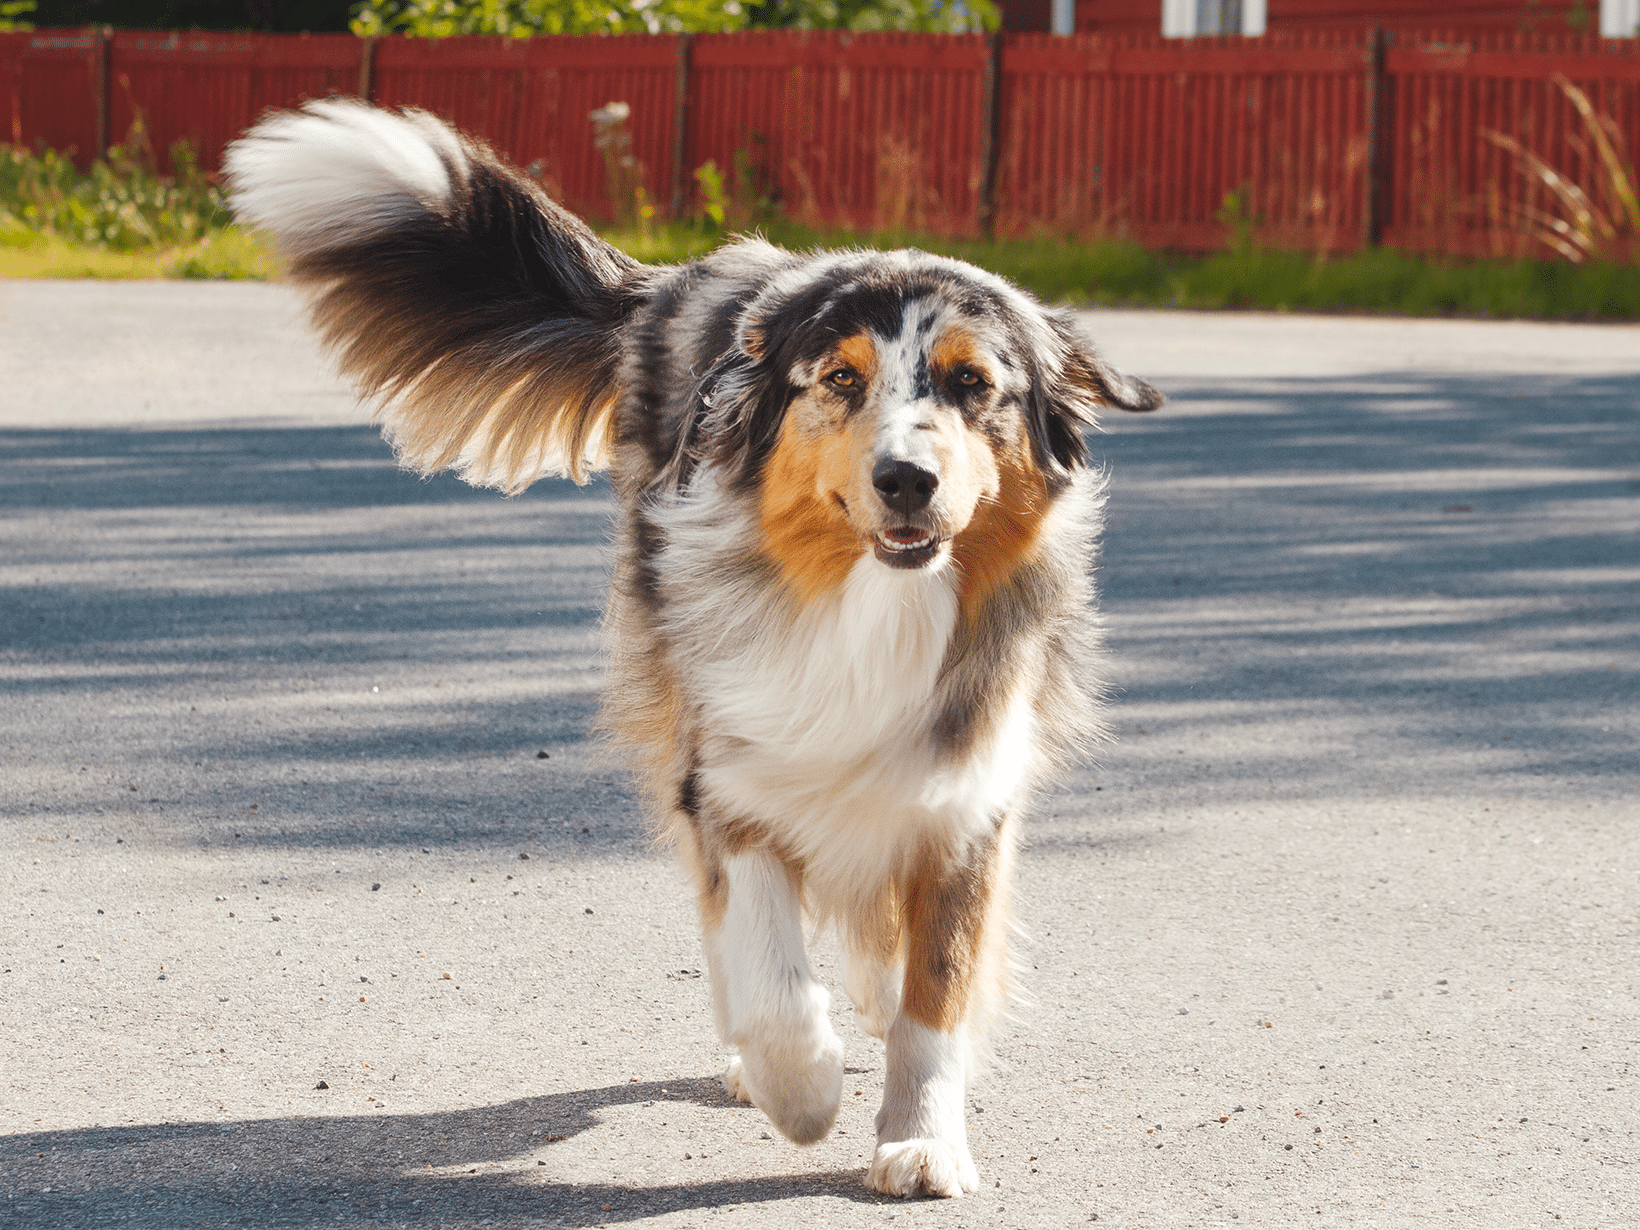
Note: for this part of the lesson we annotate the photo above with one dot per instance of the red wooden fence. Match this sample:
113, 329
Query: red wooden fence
878, 130
1327, 139
530, 99
204, 88
1447, 188
1146, 140
50, 84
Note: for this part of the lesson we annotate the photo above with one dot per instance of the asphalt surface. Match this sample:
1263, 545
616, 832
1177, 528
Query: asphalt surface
320, 905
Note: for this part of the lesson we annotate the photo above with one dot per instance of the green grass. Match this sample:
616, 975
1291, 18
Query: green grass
1395, 282
226, 254
119, 218
122, 220
1110, 273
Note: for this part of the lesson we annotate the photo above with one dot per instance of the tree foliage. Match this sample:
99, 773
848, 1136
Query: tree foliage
520, 18
273, 16
11, 15
928, 16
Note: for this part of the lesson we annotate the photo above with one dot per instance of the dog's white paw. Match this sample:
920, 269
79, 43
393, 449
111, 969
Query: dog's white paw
733, 1083
923, 1167
796, 1081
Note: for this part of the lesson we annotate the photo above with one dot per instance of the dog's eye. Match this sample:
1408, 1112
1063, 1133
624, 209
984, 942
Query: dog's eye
843, 378
969, 378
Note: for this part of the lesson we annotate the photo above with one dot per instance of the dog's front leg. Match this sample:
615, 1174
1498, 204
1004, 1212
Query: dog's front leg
952, 917
769, 1005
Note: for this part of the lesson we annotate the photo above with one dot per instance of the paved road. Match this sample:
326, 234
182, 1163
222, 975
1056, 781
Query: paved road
1341, 930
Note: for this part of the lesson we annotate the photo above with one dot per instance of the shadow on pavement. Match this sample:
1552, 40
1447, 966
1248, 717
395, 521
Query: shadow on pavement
296, 467
1422, 566
297, 544
1437, 568
382, 1167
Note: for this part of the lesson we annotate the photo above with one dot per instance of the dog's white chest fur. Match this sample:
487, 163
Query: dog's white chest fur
819, 720
845, 678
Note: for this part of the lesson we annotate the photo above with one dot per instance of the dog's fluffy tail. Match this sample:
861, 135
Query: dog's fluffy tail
481, 318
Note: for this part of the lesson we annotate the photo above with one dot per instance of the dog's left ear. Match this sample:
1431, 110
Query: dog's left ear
1070, 385
748, 387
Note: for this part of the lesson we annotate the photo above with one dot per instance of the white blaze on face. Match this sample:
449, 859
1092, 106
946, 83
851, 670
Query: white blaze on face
905, 412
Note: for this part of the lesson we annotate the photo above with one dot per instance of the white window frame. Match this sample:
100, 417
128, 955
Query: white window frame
1191, 18
1619, 18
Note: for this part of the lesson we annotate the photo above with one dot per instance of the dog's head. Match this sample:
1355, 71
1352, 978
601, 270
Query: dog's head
908, 406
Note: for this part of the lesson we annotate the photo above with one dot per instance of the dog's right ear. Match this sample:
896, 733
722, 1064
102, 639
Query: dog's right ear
1088, 370
481, 318
1070, 382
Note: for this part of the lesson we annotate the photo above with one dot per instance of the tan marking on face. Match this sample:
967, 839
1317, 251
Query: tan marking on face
814, 465
947, 916
858, 352
1005, 528
957, 348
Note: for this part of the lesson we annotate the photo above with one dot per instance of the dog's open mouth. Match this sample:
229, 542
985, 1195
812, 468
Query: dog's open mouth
906, 546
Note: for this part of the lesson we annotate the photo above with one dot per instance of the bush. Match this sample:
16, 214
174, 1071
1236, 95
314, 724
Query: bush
11, 14
120, 205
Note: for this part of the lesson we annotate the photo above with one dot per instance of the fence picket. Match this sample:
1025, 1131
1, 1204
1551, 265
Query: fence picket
1330, 139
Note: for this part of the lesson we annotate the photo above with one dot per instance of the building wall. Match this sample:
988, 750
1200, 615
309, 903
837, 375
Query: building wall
1145, 16
1540, 15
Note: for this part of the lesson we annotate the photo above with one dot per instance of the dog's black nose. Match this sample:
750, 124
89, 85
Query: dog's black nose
904, 485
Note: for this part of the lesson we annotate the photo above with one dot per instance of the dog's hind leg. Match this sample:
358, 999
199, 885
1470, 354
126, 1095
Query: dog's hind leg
769, 1004
954, 922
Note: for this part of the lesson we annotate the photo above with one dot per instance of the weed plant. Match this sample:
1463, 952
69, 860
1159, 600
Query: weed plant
1599, 217
119, 215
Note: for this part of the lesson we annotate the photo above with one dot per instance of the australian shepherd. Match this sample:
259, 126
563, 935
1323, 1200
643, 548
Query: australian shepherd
851, 619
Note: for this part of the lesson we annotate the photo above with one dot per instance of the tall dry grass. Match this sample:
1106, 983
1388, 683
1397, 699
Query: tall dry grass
1598, 220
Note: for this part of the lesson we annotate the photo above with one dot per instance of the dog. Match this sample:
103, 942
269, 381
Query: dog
851, 618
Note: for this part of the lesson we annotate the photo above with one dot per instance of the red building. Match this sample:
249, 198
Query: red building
1232, 16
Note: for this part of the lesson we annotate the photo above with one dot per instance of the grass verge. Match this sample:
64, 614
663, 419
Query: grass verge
1110, 273
227, 254
121, 221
